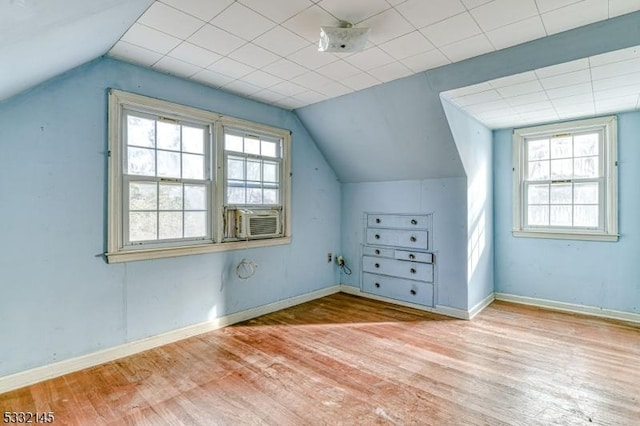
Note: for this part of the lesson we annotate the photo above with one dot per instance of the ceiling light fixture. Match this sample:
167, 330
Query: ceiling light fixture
345, 38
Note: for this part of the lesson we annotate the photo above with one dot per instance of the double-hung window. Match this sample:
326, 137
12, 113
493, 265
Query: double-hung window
565, 180
185, 181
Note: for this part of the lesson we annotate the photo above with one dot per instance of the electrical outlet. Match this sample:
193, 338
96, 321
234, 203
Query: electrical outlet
329, 257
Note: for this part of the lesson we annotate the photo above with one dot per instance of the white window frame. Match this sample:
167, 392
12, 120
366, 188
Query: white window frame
608, 205
118, 249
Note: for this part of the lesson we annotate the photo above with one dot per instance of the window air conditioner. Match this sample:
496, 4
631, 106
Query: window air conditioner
257, 224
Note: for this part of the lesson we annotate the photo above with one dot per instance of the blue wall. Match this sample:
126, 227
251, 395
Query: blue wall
600, 274
59, 298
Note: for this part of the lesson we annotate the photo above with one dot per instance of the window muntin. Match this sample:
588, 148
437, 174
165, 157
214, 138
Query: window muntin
565, 180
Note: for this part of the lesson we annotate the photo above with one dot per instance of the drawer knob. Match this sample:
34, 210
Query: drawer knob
414, 222
377, 285
377, 265
377, 251
378, 220
413, 292
377, 236
412, 270
413, 239
412, 256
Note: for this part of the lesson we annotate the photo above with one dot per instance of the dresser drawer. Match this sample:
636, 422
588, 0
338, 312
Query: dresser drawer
399, 238
399, 289
398, 268
398, 221
413, 256
378, 251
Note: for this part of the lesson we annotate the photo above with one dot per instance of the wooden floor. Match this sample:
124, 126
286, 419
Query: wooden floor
347, 360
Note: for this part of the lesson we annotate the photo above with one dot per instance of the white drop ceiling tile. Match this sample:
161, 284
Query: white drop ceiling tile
520, 89
426, 61
478, 98
517, 33
470, 4
574, 111
288, 88
492, 115
132, 53
310, 97
568, 101
308, 22
571, 90
211, 78
387, 26
231, 68
389, 72
395, 2
561, 80
370, 58
564, 68
407, 45
499, 13
486, 107
467, 90
277, 10
216, 39
360, 81
615, 82
176, 67
311, 80
615, 56
253, 55
310, 58
285, 69
149, 38
623, 103
541, 116
268, 96
575, 15
169, 20
354, 11
615, 93
452, 29
241, 88
338, 70
422, 13
615, 69
549, 5
242, 22
529, 98
504, 122
334, 89
195, 55
622, 7
289, 103
281, 41
204, 10
511, 80
467, 48
537, 106
261, 79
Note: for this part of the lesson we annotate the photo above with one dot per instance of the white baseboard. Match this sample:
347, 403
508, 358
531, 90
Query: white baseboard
481, 305
35, 375
570, 307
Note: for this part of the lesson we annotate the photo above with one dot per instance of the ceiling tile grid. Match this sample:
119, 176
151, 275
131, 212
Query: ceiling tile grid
267, 50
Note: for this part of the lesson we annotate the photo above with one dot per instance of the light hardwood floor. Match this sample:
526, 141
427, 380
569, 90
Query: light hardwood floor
347, 360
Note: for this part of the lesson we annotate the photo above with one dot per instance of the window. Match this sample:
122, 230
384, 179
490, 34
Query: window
565, 182
178, 177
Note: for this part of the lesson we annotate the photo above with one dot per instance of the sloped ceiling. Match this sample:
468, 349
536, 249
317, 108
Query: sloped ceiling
40, 39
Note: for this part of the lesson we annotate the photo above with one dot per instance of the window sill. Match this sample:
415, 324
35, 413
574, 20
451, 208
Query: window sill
160, 253
581, 236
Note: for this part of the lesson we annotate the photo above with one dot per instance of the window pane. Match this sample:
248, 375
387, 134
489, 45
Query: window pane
586, 193
254, 196
562, 169
538, 194
168, 136
586, 216
170, 196
236, 195
586, 145
141, 162
195, 224
561, 193
169, 164
560, 216
192, 166
538, 215
252, 146
270, 196
561, 147
193, 139
253, 170
233, 143
143, 196
195, 197
538, 150
586, 167
270, 172
142, 226
235, 168
140, 131
538, 170
269, 149
170, 224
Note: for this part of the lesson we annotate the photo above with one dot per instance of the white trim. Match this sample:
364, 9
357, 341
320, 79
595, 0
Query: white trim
570, 307
50, 371
481, 305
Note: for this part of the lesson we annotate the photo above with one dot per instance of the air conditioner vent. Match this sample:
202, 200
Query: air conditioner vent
257, 224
